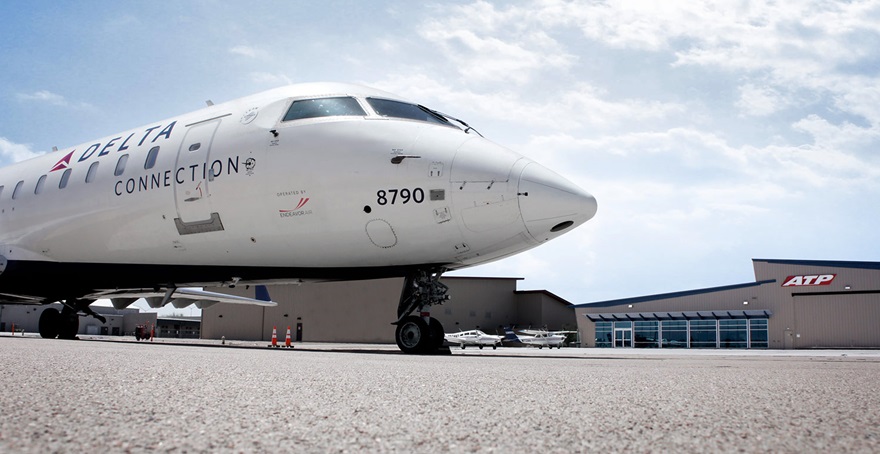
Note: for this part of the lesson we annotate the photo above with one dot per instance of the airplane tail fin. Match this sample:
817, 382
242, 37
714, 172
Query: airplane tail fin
262, 293
510, 336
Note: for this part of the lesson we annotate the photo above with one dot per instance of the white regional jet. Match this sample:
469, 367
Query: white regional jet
310, 182
473, 337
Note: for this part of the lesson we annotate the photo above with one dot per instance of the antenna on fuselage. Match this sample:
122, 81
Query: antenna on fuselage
209, 103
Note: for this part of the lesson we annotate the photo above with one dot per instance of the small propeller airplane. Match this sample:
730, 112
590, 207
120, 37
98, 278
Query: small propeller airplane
473, 337
537, 338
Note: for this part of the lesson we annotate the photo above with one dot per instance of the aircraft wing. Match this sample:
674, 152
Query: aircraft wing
181, 297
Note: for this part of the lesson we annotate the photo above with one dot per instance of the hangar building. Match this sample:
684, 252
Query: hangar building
792, 304
362, 311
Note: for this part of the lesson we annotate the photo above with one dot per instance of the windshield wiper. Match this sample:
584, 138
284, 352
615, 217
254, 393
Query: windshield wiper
445, 118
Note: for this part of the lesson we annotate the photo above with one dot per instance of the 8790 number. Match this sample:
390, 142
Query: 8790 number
404, 196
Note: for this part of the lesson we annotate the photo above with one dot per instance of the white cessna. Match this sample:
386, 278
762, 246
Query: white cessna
473, 337
538, 338
310, 182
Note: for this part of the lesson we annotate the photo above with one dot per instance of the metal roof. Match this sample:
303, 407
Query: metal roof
663, 296
823, 263
692, 315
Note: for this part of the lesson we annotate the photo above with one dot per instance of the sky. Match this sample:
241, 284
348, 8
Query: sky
710, 133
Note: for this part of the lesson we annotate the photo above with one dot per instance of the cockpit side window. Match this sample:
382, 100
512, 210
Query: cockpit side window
324, 107
397, 109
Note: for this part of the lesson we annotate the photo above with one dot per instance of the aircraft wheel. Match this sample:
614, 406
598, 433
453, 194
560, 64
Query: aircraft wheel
69, 325
413, 335
462, 346
540, 347
481, 347
437, 334
50, 321
494, 347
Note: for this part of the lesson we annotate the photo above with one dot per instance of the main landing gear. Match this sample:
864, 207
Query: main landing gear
420, 334
65, 324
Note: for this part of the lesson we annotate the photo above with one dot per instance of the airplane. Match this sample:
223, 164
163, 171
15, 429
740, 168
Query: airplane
473, 337
304, 183
537, 338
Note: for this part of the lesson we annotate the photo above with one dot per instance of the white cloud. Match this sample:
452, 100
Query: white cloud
54, 99
487, 46
14, 152
44, 96
247, 51
759, 101
270, 79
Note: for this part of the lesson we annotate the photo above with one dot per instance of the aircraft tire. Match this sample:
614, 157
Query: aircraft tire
49, 325
462, 346
494, 347
438, 336
481, 347
68, 325
412, 335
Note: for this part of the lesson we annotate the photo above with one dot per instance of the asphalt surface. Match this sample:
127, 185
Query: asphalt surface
99, 396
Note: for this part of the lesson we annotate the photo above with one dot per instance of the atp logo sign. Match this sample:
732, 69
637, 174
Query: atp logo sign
808, 281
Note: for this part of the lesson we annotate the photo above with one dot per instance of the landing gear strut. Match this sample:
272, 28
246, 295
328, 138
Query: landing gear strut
65, 324
420, 334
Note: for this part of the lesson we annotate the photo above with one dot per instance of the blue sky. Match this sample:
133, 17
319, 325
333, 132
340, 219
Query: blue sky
710, 133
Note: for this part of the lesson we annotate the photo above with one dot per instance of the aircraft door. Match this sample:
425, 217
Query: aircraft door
191, 174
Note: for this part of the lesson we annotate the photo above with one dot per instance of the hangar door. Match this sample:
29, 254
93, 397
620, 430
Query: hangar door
837, 320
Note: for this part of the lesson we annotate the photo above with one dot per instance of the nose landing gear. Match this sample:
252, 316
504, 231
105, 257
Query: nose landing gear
421, 334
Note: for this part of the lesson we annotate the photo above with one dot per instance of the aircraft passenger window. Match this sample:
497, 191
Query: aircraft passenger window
397, 109
17, 189
40, 183
151, 158
65, 177
120, 165
324, 107
93, 170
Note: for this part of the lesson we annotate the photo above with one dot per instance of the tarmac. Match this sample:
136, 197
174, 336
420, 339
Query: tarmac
104, 394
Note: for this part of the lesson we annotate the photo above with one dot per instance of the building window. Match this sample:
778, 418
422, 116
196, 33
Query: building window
758, 333
603, 334
733, 333
645, 334
704, 333
675, 334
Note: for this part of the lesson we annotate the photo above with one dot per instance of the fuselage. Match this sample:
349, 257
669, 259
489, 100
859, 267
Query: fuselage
311, 182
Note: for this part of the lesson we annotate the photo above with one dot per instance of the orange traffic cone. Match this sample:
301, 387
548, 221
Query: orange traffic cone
274, 338
287, 338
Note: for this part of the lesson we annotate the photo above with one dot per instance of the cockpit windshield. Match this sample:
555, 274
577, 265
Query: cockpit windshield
398, 109
324, 107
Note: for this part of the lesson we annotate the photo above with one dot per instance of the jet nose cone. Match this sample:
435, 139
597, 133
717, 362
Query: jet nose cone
550, 204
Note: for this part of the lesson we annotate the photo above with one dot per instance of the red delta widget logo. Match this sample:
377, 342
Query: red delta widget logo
804, 281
